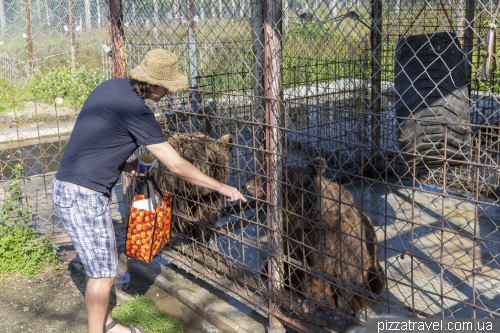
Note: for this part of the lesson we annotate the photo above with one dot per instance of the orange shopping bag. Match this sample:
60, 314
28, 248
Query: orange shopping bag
149, 223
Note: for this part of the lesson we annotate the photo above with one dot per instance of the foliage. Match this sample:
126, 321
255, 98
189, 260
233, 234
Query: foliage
141, 311
75, 84
312, 30
21, 251
7, 93
13, 209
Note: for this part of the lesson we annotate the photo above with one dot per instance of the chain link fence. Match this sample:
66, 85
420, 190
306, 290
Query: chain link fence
365, 133
51, 57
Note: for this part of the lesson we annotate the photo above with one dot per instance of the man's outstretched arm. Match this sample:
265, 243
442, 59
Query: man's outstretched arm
167, 155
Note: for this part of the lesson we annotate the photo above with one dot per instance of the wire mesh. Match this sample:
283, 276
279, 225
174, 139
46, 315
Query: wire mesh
365, 133
51, 57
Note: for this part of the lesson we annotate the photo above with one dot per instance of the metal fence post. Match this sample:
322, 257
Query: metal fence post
376, 86
29, 38
273, 89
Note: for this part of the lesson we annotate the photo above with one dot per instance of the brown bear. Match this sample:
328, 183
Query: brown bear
194, 203
325, 230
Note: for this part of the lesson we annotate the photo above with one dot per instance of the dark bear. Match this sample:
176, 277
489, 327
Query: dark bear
194, 203
325, 230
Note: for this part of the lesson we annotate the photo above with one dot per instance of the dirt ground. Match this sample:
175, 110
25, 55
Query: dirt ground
52, 301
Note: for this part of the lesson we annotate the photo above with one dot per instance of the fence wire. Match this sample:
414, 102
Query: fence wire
365, 133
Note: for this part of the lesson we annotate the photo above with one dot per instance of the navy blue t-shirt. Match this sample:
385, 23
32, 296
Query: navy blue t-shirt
112, 124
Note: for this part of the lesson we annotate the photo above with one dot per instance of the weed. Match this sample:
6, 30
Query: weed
11, 96
13, 210
141, 311
20, 249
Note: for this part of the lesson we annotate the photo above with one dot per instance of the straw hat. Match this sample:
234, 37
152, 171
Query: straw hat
159, 67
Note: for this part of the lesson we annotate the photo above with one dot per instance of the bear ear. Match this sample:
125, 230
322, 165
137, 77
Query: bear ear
227, 140
316, 166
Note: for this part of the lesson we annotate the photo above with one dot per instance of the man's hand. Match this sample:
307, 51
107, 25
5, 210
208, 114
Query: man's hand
231, 193
133, 168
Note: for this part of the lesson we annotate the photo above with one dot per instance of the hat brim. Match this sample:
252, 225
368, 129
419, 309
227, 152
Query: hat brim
178, 84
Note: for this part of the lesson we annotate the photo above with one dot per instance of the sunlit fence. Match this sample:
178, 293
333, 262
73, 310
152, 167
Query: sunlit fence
365, 134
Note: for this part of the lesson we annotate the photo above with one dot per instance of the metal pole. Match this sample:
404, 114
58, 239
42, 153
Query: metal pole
29, 37
3, 21
71, 23
376, 79
193, 68
98, 6
273, 89
256, 20
156, 21
88, 15
286, 19
470, 8
47, 12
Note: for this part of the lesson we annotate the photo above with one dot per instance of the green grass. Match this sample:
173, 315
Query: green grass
141, 311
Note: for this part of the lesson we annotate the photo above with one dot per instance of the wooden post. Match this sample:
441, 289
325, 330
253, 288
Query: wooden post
117, 38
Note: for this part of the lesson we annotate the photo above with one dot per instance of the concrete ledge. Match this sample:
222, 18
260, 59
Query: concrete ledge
153, 272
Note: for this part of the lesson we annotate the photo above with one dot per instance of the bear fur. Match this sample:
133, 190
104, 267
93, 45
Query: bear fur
191, 202
325, 230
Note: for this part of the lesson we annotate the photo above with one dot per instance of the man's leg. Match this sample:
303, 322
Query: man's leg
97, 303
90, 227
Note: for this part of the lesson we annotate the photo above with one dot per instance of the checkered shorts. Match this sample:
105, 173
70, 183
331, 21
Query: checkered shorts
88, 222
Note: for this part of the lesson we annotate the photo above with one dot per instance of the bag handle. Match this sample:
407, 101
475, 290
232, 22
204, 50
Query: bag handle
149, 191
155, 185
134, 179
152, 186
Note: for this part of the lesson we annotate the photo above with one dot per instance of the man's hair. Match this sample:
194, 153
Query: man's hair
142, 89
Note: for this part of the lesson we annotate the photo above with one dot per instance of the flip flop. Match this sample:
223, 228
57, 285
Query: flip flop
132, 328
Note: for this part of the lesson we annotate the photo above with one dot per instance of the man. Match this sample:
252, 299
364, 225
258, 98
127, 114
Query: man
113, 123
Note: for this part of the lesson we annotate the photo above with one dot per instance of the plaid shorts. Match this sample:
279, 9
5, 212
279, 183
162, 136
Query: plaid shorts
87, 219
